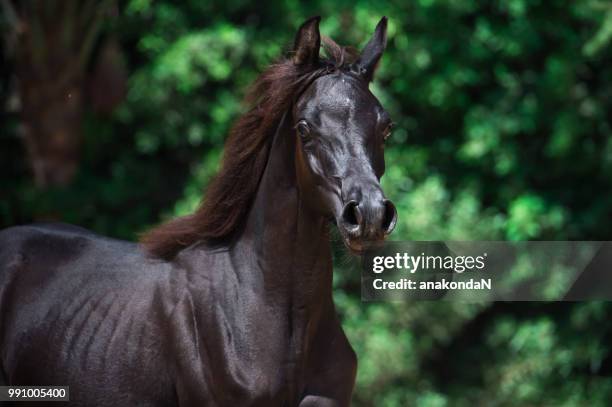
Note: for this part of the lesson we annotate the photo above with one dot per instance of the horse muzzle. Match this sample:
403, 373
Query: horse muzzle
365, 223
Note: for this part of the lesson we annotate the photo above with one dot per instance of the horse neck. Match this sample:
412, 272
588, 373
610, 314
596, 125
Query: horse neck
288, 240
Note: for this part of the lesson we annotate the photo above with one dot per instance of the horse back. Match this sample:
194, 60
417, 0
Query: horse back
75, 305
41, 253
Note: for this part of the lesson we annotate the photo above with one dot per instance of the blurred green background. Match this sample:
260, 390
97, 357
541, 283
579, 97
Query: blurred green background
114, 114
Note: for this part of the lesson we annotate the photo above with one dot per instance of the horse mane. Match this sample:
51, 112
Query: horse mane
231, 192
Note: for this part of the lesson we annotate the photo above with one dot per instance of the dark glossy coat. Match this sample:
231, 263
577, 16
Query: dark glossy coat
245, 322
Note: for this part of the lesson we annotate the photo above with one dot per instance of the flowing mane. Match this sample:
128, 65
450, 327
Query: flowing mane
230, 194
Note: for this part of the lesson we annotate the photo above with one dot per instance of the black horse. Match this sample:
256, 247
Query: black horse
232, 305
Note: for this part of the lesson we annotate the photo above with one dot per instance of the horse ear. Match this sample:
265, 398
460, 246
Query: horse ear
307, 42
372, 52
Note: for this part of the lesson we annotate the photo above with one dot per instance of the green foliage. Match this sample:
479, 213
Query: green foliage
502, 114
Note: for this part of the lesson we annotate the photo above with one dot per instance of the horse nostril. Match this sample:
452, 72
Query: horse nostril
351, 215
390, 218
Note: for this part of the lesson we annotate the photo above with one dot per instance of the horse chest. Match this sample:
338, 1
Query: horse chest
246, 353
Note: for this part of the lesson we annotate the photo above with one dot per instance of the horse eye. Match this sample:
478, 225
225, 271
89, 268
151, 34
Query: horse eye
303, 129
387, 132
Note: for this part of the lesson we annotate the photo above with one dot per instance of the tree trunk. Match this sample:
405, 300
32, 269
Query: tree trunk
53, 43
52, 119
